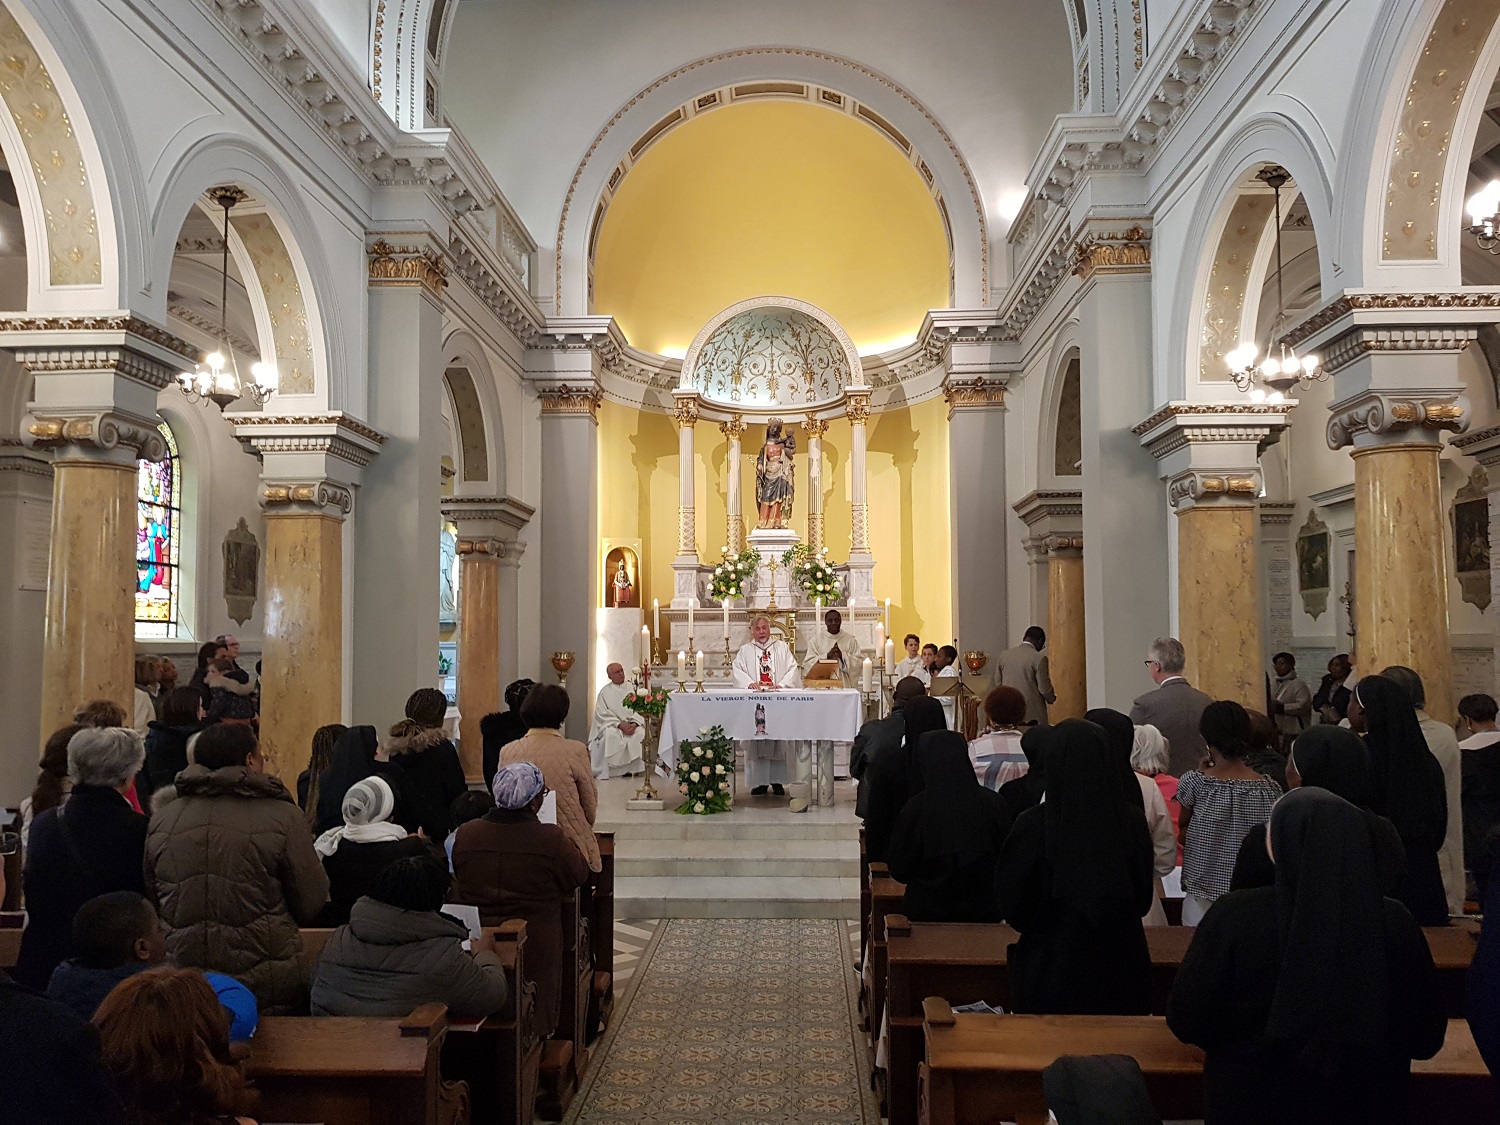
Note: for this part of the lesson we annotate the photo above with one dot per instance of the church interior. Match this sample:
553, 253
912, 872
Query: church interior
451, 343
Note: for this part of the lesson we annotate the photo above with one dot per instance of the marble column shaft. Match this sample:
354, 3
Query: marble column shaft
733, 430
1218, 602
1400, 568
302, 675
479, 644
815, 428
859, 413
89, 641
1067, 648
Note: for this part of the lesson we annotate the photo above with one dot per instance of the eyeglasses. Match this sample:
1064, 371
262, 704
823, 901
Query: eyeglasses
1148, 663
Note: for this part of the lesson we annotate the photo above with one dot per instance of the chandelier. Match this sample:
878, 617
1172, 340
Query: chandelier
1484, 209
217, 379
1270, 378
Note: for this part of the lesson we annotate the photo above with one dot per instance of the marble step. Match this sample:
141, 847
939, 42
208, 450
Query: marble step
760, 896
750, 825
736, 858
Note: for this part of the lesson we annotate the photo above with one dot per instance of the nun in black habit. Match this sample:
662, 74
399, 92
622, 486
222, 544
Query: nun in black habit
897, 777
1025, 792
1074, 878
1311, 997
352, 761
1409, 790
948, 838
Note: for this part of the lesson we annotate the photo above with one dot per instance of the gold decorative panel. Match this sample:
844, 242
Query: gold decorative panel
284, 301
56, 158
1429, 112
1228, 282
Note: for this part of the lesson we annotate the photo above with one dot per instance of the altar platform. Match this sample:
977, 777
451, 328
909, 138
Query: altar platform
760, 860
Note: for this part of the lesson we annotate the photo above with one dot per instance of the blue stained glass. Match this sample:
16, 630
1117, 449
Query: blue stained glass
157, 542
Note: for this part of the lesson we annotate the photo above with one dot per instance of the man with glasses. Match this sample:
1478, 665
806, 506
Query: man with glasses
1175, 707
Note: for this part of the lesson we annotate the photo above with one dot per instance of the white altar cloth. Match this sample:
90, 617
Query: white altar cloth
788, 716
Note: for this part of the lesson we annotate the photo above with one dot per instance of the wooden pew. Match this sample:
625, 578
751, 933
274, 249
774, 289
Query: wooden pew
501, 1060
964, 964
886, 897
985, 1068
566, 1055
602, 935
10, 948
864, 901
353, 1071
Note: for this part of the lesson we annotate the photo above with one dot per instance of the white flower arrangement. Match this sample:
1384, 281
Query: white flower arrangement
731, 576
813, 573
705, 760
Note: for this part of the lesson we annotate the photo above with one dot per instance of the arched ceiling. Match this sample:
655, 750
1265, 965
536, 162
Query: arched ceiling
531, 82
771, 197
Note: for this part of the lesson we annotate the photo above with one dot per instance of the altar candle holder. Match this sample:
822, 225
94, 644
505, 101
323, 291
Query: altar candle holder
728, 659
698, 668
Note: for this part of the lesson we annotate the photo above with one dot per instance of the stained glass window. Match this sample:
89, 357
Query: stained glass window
158, 538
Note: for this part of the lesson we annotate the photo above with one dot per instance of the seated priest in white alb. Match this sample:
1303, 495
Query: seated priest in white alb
617, 736
914, 664
830, 642
766, 665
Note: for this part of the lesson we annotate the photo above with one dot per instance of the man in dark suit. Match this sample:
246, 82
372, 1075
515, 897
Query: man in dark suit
879, 736
1175, 707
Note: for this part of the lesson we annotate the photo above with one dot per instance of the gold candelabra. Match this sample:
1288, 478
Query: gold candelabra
773, 566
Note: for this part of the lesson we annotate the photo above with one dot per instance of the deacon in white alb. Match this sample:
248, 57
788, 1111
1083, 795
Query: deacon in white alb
766, 665
830, 642
617, 736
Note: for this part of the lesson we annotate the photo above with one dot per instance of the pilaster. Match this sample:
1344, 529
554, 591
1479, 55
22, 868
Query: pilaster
976, 503
861, 561
1276, 572
685, 564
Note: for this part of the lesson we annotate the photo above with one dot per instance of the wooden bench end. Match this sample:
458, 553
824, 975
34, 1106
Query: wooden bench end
425, 1021
897, 925
936, 1012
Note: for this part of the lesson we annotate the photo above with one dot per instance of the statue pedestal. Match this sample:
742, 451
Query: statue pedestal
861, 580
772, 543
685, 572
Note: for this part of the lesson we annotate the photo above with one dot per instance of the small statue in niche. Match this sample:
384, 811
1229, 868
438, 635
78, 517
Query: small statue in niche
774, 485
624, 589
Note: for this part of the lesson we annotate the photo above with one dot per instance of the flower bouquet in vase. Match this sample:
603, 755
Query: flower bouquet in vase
705, 772
650, 704
731, 578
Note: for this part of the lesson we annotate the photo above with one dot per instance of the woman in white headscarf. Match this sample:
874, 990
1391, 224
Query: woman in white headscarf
368, 842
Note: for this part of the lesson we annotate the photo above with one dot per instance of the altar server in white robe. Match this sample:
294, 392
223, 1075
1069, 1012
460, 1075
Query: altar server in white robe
764, 664
947, 668
831, 642
617, 736
914, 663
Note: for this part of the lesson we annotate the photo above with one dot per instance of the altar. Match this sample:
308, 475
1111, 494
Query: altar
811, 719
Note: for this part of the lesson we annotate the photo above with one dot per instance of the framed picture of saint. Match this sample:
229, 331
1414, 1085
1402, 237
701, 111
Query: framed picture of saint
1313, 574
1471, 539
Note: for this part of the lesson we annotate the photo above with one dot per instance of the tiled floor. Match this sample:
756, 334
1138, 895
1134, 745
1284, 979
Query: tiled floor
734, 1022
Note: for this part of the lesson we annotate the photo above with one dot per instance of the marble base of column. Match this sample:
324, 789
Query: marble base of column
1400, 573
302, 680
1218, 602
88, 647
1067, 648
478, 651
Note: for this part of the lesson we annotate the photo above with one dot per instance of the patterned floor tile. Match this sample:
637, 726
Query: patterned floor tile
731, 1022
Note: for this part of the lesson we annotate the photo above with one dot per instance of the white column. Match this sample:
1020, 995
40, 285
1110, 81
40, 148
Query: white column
685, 565
977, 516
816, 428
861, 562
733, 430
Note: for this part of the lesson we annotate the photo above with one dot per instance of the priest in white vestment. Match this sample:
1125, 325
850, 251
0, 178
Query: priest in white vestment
766, 665
617, 736
830, 642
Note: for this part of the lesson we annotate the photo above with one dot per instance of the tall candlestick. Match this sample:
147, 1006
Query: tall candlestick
698, 664
890, 655
726, 620
681, 666
645, 646
888, 616
879, 636
656, 616
865, 676
692, 602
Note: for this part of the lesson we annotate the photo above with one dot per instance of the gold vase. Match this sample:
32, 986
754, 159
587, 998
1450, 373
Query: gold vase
975, 660
650, 748
561, 662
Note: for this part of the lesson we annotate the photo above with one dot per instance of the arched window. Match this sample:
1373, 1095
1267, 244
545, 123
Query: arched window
158, 540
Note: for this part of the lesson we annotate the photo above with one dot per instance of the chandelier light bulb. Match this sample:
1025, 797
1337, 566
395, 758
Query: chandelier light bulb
1257, 395
215, 360
265, 374
1309, 364
1275, 397
1484, 204
1290, 365
1241, 357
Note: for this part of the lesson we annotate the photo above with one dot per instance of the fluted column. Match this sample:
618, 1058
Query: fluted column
1397, 387
861, 561
816, 428
310, 467
1067, 654
487, 527
685, 565
1208, 453
734, 432
94, 407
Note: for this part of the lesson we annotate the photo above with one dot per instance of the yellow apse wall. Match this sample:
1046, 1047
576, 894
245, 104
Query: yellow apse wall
785, 198
907, 464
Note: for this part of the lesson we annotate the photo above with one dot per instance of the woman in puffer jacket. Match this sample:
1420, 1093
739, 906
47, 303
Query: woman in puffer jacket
426, 763
230, 862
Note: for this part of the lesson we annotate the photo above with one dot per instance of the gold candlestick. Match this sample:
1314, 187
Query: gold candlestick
773, 566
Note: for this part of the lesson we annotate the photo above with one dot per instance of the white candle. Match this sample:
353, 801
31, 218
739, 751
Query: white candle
656, 616
879, 636
726, 620
692, 603
645, 646
890, 655
888, 615
865, 676
681, 666
698, 664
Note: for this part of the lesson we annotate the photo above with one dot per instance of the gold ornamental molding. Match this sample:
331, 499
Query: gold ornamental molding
398, 266
978, 393
108, 432
488, 549
1194, 488
685, 411
1110, 252
1353, 304
1376, 419
687, 530
321, 497
1064, 546
565, 399
734, 428
815, 428
857, 406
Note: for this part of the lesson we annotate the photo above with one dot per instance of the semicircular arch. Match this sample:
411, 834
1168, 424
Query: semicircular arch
478, 418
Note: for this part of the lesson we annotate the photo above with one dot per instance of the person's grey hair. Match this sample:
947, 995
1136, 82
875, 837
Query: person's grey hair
1408, 681
1149, 753
105, 756
1168, 652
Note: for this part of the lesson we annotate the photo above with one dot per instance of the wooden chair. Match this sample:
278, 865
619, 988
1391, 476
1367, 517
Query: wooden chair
501, 1059
356, 1071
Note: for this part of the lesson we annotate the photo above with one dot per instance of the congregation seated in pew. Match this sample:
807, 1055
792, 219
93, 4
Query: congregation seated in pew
370, 840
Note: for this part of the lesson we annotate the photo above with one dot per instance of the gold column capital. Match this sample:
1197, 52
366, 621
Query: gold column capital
1197, 487
564, 399
106, 436
403, 266
978, 393
481, 549
733, 429
816, 427
1376, 418
307, 498
685, 411
857, 406
1113, 252
1064, 546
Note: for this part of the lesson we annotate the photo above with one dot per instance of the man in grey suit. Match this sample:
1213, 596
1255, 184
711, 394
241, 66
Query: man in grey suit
1025, 669
1175, 707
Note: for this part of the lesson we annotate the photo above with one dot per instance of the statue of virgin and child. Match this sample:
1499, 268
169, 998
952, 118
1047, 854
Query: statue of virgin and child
774, 487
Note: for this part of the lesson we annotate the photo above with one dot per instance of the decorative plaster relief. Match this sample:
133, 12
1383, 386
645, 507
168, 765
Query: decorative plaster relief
771, 356
1414, 189
1228, 281
284, 301
62, 179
